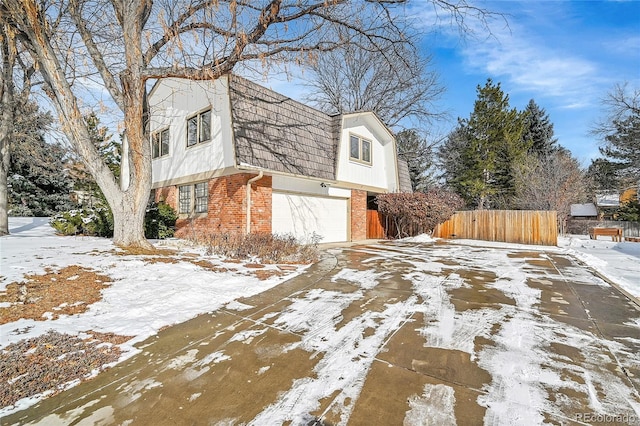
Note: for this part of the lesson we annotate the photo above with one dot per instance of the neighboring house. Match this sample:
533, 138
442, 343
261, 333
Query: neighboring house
584, 211
607, 203
232, 156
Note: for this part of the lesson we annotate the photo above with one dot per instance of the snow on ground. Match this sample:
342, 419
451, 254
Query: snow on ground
619, 262
144, 296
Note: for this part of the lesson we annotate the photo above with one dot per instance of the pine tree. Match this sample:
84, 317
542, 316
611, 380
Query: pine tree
110, 150
492, 146
419, 156
623, 147
538, 130
603, 174
39, 184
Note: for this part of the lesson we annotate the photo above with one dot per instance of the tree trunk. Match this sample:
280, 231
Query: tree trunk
4, 190
6, 123
128, 204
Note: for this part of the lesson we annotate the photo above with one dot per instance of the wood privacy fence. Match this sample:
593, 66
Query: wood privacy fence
510, 226
581, 226
379, 226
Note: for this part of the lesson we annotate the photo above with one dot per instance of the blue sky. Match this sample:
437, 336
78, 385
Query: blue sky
566, 55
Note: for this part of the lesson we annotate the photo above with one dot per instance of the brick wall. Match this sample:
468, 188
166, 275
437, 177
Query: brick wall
226, 209
261, 205
358, 215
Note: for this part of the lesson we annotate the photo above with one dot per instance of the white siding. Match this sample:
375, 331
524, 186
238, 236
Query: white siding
171, 102
381, 173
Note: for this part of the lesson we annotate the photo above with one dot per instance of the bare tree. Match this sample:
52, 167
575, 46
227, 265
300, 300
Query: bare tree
15, 87
123, 46
620, 133
395, 83
550, 182
7, 50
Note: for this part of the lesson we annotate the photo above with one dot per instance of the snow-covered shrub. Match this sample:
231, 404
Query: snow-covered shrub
95, 221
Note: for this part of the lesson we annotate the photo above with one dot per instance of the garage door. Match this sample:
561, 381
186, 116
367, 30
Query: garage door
302, 215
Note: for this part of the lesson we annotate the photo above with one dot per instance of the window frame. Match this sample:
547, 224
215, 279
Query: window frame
156, 137
200, 127
361, 143
193, 199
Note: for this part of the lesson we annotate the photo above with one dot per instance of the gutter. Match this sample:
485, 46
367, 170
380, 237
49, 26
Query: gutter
249, 182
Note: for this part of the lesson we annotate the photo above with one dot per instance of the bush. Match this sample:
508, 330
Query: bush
418, 212
96, 221
160, 221
259, 247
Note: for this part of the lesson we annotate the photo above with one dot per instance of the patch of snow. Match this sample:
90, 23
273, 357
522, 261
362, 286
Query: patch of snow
434, 407
237, 306
618, 261
422, 238
365, 279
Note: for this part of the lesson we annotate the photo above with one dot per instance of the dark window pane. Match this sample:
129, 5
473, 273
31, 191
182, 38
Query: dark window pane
192, 131
354, 151
155, 146
366, 151
164, 142
205, 126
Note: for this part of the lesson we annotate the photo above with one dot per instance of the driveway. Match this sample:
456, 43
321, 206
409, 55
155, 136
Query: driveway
387, 334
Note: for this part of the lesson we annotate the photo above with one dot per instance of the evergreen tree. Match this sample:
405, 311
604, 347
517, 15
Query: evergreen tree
630, 210
110, 150
450, 157
38, 182
622, 147
538, 130
419, 156
492, 146
603, 174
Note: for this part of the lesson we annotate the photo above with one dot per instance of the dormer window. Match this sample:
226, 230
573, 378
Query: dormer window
199, 128
359, 149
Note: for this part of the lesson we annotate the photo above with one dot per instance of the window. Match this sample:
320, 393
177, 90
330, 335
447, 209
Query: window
202, 197
199, 128
360, 149
193, 198
185, 199
160, 143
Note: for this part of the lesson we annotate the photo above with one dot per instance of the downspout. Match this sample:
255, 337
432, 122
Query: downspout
249, 182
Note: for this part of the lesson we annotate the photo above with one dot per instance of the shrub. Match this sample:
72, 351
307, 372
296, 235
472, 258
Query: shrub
96, 221
259, 247
418, 212
160, 221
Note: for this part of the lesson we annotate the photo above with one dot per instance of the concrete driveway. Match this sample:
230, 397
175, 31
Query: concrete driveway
387, 334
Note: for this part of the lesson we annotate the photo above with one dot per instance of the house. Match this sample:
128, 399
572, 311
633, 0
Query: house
607, 203
232, 156
584, 211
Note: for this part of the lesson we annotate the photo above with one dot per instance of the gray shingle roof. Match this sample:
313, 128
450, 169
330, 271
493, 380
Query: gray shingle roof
277, 133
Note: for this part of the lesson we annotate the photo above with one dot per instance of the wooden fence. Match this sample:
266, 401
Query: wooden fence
511, 226
379, 226
581, 226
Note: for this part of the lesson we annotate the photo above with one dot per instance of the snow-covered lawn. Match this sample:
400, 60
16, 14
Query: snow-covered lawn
619, 262
146, 294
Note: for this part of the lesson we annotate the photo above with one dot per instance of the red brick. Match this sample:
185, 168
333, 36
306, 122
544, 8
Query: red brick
358, 215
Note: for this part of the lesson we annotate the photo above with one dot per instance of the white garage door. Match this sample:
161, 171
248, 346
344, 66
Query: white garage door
302, 215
